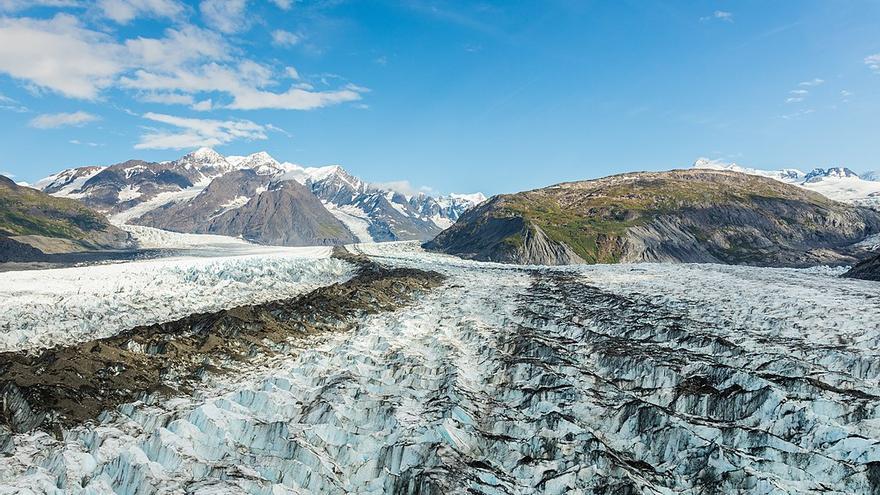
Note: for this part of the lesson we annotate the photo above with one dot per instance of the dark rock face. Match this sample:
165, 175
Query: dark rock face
868, 269
11, 250
196, 215
677, 216
287, 214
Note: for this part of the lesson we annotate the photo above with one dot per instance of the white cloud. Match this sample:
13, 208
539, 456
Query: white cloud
58, 54
10, 104
81, 143
718, 15
285, 38
188, 44
244, 84
184, 66
123, 11
799, 113
873, 62
55, 120
292, 99
228, 16
192, 133
166, 98
403, 187
813, 82
203, 106
283, 4
17, 5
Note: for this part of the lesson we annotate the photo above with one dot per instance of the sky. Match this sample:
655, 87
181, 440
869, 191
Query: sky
492, 96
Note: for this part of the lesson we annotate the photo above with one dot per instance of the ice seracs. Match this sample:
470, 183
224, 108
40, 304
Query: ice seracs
657, 378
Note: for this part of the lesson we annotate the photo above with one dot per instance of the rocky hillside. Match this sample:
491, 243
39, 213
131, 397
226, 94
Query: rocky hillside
33, 222
679, 216
192, 193
286, 214
868, 269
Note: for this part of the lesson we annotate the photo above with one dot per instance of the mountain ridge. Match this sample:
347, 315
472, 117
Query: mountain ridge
156, 193
33, 222
680, 215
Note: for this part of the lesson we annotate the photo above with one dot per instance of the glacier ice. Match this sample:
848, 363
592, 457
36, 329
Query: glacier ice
43, 308
600, 379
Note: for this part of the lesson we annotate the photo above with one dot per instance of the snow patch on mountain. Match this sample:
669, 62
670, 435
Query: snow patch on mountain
157, 201
837, 183
354, 218
389, 215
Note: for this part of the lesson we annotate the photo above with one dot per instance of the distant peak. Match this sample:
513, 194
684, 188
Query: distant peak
204, 154
262, 156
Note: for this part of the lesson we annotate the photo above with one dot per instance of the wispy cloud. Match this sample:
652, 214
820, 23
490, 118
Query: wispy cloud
281, 37
55, 120
123, 11
801, 92
403, 187
718, 15
873, 62
10, 104
228, 16
283, 4
87, 143
812, 82
799, 113
192, 133
17, 5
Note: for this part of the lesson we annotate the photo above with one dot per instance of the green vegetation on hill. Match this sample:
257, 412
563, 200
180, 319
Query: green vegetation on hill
683, 215
28, 212
593, 217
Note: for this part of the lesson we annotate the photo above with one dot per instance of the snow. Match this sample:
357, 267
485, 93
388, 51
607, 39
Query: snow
473, 198
71, 186
157, 201
41, 308
837, 183
129, 193
234, 204
356, 219
517, 379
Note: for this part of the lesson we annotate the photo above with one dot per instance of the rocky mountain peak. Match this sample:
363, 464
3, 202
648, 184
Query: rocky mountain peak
819, 174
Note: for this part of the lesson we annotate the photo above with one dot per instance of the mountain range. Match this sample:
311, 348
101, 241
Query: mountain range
257, 198
837, 183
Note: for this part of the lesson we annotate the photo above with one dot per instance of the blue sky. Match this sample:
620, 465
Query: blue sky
452, 96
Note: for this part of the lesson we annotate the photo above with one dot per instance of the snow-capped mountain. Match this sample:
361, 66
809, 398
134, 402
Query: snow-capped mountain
206, 192
837, 183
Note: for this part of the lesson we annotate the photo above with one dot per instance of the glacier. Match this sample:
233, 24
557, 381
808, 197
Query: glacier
44, 308
647, 378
